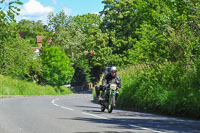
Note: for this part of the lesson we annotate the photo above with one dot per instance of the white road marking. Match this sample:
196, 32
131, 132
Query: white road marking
146, 129
53, 102
66, 108
94, 115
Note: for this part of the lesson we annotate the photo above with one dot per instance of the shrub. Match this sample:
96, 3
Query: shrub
57, 69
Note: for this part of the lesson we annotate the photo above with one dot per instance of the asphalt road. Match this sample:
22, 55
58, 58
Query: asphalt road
78, 113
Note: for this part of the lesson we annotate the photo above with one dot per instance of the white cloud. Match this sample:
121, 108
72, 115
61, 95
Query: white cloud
67, 11
35, 8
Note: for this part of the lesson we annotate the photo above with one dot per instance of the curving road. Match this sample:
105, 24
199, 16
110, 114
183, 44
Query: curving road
79, 114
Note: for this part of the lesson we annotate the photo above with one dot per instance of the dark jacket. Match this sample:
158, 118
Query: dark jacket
107, 79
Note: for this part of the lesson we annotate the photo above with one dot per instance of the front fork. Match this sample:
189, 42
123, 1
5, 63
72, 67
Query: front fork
112, 98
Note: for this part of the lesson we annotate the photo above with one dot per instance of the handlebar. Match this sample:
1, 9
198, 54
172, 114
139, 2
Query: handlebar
108, 86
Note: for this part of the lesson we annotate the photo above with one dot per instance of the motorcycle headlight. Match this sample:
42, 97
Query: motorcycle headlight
113, 86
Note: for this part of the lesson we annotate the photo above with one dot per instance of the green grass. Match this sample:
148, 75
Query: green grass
9, 86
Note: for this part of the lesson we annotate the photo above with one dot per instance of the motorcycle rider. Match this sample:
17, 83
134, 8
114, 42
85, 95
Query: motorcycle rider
109, 78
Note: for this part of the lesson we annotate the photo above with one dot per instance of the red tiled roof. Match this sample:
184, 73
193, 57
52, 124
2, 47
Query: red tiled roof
39, 39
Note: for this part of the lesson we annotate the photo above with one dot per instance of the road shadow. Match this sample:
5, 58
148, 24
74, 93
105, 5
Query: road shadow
88, 107
157, 125
137, 119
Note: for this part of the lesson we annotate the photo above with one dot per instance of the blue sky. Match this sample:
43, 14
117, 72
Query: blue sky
39, 9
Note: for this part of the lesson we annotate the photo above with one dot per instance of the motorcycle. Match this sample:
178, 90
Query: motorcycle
109, 97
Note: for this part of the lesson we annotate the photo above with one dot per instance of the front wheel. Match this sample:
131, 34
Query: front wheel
110, 108
110, 104
102, 108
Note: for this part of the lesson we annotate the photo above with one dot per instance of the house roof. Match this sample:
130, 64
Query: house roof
39, 39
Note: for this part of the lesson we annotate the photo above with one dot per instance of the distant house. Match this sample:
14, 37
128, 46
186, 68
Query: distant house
39, 42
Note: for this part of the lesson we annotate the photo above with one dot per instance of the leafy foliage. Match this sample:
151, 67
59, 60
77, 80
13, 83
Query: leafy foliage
172, 90
16, 56
17, 59
57, 69
83, 42
169, 34
30, 30
8, 12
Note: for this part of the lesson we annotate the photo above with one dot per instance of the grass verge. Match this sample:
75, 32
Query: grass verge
9, 86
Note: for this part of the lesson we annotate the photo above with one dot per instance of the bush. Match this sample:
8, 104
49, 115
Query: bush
57, 69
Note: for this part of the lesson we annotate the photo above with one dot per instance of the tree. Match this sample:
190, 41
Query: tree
77, 35
121, 18
31, 29
171, 34
98, 55
7, 15
57, 68
8, 12
16, 57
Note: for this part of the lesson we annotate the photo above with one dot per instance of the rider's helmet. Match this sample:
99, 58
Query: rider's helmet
113, 69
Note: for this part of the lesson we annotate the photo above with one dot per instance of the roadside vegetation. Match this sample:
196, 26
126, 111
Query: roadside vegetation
170, 89
10, 86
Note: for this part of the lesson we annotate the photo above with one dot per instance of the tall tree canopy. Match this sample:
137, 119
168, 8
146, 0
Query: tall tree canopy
152, 29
